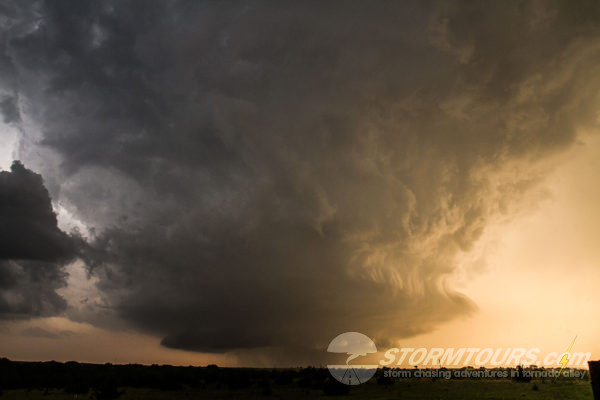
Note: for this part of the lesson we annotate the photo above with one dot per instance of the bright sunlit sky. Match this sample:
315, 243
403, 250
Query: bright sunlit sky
538, 283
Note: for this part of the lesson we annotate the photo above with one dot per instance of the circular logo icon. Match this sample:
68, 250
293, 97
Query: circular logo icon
354, 344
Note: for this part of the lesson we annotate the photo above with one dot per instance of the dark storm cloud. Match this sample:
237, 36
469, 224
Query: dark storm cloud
265, 174
29, 229
32, 247
28, 289
10, 112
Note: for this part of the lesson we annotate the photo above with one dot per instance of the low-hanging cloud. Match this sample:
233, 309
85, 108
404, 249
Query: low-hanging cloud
268, 175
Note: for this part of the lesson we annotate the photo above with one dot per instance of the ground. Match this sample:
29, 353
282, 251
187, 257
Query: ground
405, 389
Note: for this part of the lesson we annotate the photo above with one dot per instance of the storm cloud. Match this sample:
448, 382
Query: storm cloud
32, 247
269, 175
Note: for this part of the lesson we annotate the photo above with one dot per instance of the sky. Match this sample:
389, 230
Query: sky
240, 182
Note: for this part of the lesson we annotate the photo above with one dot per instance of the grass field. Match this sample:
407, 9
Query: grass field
405, 389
